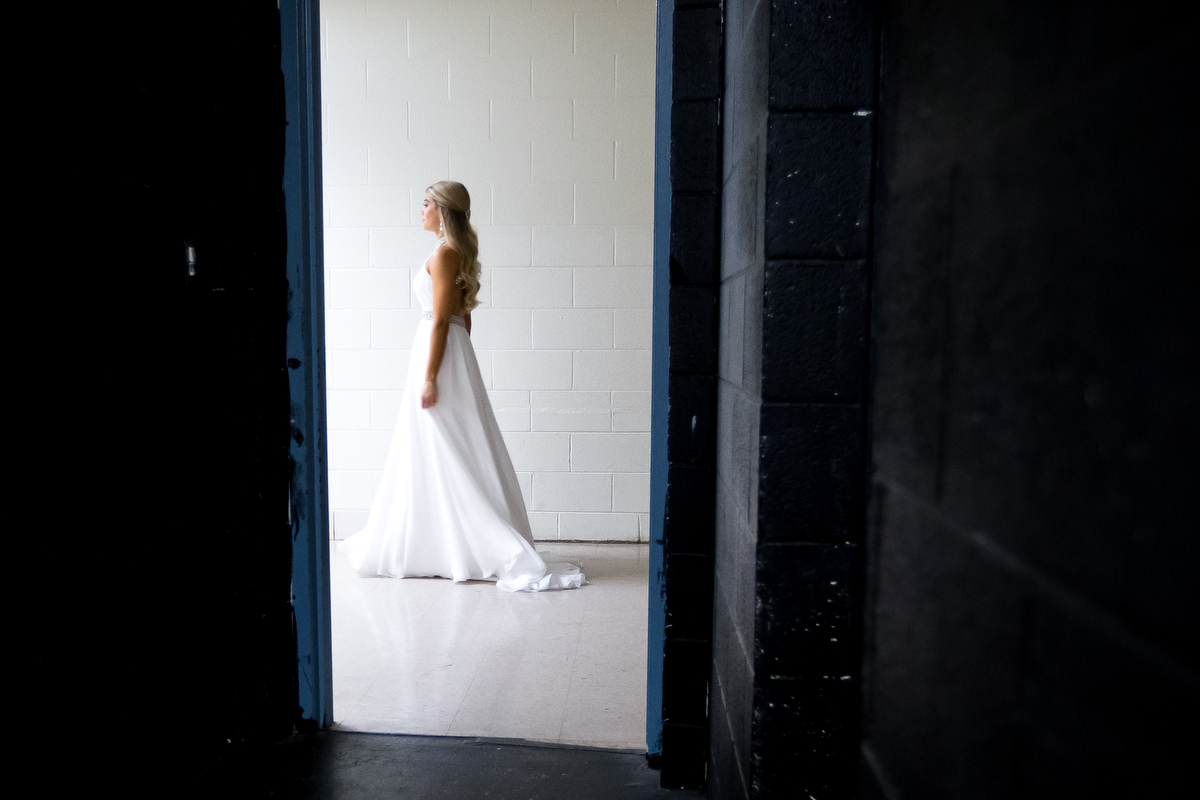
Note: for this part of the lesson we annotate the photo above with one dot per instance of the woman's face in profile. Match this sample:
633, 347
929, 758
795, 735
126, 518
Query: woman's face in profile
431, 220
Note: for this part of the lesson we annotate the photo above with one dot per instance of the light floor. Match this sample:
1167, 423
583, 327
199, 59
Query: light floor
434, 657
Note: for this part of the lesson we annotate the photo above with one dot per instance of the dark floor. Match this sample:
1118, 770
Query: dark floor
333, 765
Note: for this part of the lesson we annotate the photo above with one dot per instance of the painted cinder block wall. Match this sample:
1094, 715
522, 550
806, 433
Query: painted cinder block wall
731, 689
1027, 532
1031, 606
799, 164
544, 109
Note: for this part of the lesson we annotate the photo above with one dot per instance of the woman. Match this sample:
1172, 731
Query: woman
449, 504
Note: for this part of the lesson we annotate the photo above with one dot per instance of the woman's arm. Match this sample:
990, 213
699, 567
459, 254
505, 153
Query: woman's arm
467, 320
443, 268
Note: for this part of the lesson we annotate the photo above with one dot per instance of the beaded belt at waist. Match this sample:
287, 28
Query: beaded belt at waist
457, 320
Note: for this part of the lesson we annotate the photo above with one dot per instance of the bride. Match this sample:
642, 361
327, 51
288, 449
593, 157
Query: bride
449, 504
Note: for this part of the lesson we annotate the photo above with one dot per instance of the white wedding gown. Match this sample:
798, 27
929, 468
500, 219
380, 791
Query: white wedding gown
449, 504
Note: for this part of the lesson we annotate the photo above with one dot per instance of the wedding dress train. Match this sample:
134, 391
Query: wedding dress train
449, 504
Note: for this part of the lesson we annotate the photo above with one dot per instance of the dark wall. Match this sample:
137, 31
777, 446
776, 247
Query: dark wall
165, 632
695, 181
1032, 616
800, 89
812, 445
1002, 188
731, 687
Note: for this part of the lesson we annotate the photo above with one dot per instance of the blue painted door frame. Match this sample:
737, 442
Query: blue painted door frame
300, 50
309, 502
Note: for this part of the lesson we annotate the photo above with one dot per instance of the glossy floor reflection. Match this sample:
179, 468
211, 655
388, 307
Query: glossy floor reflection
432, 657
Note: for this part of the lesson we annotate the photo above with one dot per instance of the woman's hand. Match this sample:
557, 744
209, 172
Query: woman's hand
429, 394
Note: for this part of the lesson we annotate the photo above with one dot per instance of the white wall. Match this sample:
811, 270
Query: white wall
545, 110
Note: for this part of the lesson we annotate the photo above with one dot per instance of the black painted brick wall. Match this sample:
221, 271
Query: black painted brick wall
1032, 545
810, 473
818, 184
744, 108
820, 157
822, 54
695, 163
808, 599
815, 331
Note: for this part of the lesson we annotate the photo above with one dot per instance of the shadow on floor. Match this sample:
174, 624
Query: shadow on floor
337, 765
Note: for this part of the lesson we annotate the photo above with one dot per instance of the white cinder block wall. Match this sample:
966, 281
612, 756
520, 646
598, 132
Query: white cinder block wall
545, 110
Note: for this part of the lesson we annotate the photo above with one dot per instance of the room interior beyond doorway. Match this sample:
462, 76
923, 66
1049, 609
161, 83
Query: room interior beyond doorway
546, 112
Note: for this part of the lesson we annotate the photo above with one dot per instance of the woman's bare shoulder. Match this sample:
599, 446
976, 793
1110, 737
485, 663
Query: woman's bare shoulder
445, 260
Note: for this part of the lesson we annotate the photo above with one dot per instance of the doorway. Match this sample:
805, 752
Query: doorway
546, 112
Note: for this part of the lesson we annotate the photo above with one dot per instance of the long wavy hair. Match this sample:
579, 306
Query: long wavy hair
454, 205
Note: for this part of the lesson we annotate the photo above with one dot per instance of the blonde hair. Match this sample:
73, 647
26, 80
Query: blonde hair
454, 205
